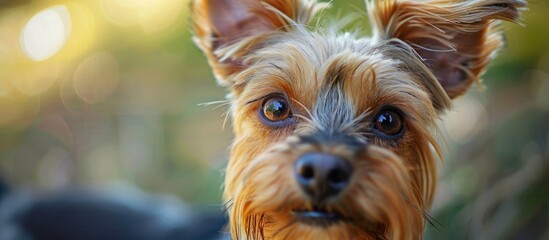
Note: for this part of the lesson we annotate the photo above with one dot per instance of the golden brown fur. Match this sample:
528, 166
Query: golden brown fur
420, 56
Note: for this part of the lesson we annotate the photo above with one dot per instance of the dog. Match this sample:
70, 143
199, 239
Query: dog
335, 132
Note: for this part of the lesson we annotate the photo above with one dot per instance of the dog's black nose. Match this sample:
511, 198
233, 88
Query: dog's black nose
322, 175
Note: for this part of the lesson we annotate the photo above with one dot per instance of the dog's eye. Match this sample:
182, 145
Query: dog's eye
389, 122
276, 109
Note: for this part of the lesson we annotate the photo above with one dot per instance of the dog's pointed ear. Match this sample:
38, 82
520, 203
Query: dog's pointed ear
227, 30
455, 39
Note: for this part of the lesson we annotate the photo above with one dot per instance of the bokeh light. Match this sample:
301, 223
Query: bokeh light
57, 127
46, 33
466, 119
123, 12
160, 16
85, 32
96, 78
55, 169
34, 79
152, 16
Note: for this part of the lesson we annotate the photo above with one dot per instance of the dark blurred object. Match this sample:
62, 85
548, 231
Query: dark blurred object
4, 189
121, 214
13, 3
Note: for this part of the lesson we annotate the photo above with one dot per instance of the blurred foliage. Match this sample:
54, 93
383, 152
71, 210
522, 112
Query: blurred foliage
115, 97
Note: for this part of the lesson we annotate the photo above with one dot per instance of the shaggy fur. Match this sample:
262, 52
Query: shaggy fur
421, 55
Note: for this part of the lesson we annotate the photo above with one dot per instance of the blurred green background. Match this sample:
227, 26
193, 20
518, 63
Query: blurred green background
101, 92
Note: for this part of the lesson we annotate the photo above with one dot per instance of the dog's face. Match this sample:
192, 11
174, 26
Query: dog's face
333, 130
329, 138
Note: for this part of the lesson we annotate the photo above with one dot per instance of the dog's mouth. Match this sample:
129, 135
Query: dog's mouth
317, 216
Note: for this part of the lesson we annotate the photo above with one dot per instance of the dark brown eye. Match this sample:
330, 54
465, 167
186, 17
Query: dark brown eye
276, 109
389, 122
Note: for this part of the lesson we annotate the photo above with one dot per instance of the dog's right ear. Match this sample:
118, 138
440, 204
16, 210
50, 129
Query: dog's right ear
227, 30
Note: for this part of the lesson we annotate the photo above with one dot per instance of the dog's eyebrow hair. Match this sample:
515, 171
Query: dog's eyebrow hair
255, 100
276, 66
263, 97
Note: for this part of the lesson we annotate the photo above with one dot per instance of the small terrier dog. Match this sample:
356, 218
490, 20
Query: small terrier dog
334, 130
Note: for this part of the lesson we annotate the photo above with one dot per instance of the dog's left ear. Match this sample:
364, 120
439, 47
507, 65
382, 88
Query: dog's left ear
455, 39
227, 30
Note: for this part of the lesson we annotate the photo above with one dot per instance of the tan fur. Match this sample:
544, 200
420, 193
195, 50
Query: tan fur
257, 49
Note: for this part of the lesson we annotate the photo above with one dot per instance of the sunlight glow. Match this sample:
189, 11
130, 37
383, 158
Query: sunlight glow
46, 33
151, 15
160, 17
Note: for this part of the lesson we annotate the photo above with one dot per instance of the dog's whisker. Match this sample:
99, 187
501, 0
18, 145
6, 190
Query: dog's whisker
432, 221
227, 206
216, 104
304, 118
302, 106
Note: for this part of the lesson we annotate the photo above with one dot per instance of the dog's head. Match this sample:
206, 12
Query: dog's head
333, 130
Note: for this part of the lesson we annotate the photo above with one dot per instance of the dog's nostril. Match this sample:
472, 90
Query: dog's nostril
338, 176
307, 172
